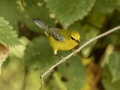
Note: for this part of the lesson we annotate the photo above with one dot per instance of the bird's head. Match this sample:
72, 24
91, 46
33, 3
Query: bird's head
75, 36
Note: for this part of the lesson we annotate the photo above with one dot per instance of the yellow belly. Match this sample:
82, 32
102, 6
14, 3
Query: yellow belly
62, 45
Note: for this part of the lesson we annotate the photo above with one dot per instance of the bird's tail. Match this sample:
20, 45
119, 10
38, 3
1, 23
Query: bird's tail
40, 23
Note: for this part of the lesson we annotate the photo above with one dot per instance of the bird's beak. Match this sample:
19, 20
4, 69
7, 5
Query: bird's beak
78, 41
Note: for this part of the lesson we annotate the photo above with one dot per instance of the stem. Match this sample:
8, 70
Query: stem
78, 50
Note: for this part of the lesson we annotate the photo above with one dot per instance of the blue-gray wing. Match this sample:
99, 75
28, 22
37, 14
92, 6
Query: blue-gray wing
55, 33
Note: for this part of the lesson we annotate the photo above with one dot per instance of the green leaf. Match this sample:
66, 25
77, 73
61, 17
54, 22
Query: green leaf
69, 11
72, 73
114, 65
10, 12
113, 39
107, 6
107, 80
36, 9
32, 81
39, 55
7, 35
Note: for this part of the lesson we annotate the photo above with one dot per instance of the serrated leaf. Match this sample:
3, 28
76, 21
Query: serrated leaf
7, 35
69, 11
114, 65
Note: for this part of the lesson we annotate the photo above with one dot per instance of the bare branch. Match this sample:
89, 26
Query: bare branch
71, 54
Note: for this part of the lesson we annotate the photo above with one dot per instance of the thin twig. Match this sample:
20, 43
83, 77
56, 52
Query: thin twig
71, 54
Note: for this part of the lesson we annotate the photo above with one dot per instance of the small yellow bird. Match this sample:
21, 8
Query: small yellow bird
59, 39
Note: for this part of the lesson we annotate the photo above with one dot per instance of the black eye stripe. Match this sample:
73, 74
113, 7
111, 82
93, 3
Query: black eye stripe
75, 39
72, 38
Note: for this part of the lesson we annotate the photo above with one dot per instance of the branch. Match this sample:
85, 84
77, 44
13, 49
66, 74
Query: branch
78, 50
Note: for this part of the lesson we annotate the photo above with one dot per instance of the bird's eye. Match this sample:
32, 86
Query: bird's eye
72, 38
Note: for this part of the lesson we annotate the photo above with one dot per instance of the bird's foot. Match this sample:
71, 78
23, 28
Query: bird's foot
60, 57
74, 52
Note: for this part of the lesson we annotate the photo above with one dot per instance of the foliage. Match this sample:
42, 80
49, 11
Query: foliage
27, 62
7, 35
114, 65
73, 11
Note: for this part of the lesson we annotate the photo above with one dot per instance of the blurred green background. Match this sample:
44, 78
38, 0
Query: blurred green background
96, 67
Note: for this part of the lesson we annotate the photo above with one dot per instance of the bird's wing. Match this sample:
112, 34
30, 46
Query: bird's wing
56, 34
53, 31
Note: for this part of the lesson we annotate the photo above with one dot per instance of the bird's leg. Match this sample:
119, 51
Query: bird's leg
74, 52
55, 52
60, 57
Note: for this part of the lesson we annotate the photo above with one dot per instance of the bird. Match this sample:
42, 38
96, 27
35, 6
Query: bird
59, 39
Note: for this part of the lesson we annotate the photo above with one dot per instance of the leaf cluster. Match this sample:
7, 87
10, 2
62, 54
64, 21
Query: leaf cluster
34, 55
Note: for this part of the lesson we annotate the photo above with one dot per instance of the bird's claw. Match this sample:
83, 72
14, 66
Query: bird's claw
74, 52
